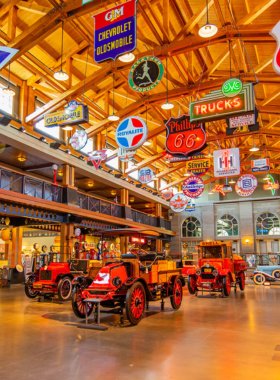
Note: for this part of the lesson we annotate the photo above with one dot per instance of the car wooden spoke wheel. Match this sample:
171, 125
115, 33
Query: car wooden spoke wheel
176, 300
242, 281
29, 291
259, 279
226, 286
276, 273
135, 303
79, 306
192, 284
65, 289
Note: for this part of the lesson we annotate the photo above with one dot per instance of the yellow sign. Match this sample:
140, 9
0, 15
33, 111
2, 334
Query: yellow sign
73, 114
199, 167
209, 243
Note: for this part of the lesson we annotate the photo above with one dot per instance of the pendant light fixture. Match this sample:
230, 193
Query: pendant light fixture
7, 90
210, 192
61, 75
208, 30
232, 181
113, 117
254, 147
167, 105
67, 128
129, 57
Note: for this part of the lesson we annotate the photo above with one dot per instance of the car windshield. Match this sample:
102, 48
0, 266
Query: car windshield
212, 252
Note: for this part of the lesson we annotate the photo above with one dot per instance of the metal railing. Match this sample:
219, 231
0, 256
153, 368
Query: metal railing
255, 259
90, 203
141, 217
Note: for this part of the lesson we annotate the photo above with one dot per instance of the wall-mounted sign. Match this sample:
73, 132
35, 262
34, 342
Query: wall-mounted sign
73, 114
79, 140
261, 165
218, 189
275, 33
198, 164
126, 155
115, 31
6, 54
131, 133
145, 74
145, 175
96, 156
271, 185
246, 185
184, 137
133, 239
226, 162
167, 194
193, 187
178, 202
232, 87
190, 206
215, 105
242, 124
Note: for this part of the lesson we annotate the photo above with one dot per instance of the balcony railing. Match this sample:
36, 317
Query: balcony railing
90, 203
141, 217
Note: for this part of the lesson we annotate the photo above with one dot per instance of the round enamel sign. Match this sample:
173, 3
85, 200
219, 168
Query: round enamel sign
246, 185
178, 202
131, 133
79, 140
145, 74
145, 175
193, 187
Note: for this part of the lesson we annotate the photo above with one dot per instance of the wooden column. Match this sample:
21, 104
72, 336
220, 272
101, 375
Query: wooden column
158, 245
158, 210
31, 100
23, 102
72, 176
16, 246
99, 141
66, 241
124, 197
124, 244
66, 175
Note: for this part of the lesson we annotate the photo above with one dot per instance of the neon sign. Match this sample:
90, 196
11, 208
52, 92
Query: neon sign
218, 189
137, 240
232, 87
271, 185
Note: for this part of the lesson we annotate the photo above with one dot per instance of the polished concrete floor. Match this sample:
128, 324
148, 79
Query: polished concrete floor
232, 338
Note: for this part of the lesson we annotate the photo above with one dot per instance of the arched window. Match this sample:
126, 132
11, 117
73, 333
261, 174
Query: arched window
268, 224
227, 225
191, 227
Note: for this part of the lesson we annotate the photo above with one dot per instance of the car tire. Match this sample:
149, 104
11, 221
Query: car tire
135, 301
28, 290
79, 306
259, 279
64, 289
192, 284
177, 298
226, 285
242, 282
276, 273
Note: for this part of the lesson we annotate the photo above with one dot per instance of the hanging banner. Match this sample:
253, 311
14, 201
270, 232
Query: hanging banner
96, 156
226, 162
190, 205
216, 106
115, 31
275, 33
261, 165
6, 54
131, 133
145, 74
178, 202
74, 113
193, 187
198, 164
167, 194
145, 175
271, 185
246, 185
184, 137
79, 140
125, 155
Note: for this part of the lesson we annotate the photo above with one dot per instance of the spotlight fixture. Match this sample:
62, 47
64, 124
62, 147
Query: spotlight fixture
127, 57
113, 117
146, 143
68, 151
81, 157
227, 188
208, 30
90, 184
21, 158
232, 181
5, 120
43, 139
113, 192
61, 75
147, 205
55, 145
67, 128
7, 90
254, 147
167, 105
131, 199
22, 129
59, 172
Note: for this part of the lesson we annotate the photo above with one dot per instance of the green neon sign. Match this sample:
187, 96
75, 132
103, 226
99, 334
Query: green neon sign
232, 87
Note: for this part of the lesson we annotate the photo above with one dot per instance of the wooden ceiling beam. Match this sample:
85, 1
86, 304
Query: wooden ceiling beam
33, 8
145, 162
5, 8
256, 12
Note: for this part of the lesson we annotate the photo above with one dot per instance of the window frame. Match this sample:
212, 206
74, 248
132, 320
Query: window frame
224, 229
15, 113
196, 227
267, 235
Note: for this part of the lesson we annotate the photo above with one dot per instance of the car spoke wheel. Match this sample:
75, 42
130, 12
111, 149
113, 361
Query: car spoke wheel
176, 300
135, 303
192, 284
276, 273
78, 306
226, 285
259, 279
64, 289
29, 289
242, 281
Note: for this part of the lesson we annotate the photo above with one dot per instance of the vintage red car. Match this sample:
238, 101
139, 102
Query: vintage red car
55, 279
130, 283
218, 269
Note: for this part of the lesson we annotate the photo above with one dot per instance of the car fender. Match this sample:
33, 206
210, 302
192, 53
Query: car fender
192, 271
149, 296
62, 275
226, 272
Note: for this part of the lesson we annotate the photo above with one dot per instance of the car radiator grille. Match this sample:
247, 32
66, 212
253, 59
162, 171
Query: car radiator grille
207, 276
46, 275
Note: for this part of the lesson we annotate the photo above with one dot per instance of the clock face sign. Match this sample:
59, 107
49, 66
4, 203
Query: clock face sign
79, 140
145, 74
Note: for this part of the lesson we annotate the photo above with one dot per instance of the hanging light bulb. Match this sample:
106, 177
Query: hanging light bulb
146, 143
208, 30
167, 105
7, 90
61, 75
232, 181
113, 117
129, 57
254, 147
67, 128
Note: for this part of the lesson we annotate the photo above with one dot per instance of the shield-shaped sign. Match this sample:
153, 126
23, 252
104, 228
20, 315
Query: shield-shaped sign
184, 137
167, 194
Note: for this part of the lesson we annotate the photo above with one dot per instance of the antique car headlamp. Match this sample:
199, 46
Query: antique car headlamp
116, 281
198, 272
215, 272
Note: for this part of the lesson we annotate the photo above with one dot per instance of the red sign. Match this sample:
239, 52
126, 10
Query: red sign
275, 32
218, 189
184, 137
97, 156
271, 186
193, 187
167, 194
137, 240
